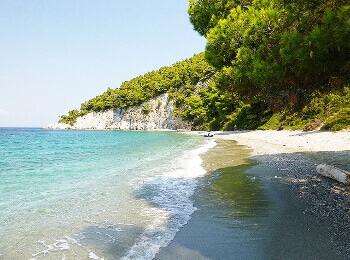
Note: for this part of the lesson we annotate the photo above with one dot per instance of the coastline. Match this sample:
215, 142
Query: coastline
306, 217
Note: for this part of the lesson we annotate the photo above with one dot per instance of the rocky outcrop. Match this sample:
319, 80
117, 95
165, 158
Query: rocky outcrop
155, 114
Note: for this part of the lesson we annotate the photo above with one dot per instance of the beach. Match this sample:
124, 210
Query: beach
263, 199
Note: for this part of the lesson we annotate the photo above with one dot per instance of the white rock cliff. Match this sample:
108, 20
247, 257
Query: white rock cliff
159, 115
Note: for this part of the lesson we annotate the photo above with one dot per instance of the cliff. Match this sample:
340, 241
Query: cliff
154, 114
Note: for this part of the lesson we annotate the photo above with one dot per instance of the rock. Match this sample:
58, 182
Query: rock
334, 173
155, 114
58, 126
159, 115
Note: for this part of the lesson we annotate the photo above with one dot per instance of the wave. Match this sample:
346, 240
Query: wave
169, 192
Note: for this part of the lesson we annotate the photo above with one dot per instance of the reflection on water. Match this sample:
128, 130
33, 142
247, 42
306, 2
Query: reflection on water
231, 210
231, 188
243, 212
240, 193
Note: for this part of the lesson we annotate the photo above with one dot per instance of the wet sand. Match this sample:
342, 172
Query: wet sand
273, 205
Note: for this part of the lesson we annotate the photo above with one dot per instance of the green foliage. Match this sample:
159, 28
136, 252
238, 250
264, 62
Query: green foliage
205, 14
330, 110
274, 122
247, 116
194, 111
142, 88
273, 65
215, 109
146, 109
278, 52
206, 107
340, 121
71, 118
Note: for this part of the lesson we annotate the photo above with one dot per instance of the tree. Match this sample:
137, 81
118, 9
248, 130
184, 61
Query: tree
277, 51
205, 14
181, 75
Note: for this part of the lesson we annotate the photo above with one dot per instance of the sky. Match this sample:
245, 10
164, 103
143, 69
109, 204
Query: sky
57, 54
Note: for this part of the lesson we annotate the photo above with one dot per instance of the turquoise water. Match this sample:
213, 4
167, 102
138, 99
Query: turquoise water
94, 194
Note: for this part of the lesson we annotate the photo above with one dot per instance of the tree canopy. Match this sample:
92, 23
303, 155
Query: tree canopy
276, 51
267, 64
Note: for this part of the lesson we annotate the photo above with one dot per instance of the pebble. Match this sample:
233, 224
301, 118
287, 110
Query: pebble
327, 199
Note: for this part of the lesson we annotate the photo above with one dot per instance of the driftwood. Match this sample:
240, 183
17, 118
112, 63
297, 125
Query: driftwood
334, 173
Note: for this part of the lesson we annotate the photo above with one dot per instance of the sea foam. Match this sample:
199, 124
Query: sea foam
66, 194
170, 196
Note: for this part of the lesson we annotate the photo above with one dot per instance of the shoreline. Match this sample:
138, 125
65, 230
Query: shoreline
273, 141
310, 216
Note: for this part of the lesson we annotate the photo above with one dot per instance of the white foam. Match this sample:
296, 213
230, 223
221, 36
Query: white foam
171, 192
58, 245
95, 257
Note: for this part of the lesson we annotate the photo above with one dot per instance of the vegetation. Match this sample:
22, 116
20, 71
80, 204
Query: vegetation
146, 109
71, 118
278, 52
276, 61
140, 89
325, 111
267, 64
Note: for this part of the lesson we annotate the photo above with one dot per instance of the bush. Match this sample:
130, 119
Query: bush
274, 122
146, 109
340, 121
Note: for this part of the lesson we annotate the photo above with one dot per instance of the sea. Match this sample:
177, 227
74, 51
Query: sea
95, 194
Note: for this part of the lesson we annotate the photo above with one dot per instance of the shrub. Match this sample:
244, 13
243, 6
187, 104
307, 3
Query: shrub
340, 121
146, 109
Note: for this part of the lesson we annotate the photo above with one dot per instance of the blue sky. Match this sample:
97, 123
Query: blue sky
56, 54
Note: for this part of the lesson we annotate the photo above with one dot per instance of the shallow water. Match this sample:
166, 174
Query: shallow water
249, 210
231, 208
94, 194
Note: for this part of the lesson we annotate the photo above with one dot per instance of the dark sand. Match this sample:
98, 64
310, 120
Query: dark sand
274, 209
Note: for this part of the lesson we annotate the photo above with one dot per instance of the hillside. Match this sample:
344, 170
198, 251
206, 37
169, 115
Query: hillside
267, 65
197, 103
157, 100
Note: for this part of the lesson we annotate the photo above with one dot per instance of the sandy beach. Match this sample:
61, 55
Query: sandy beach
263, 199
274, 142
